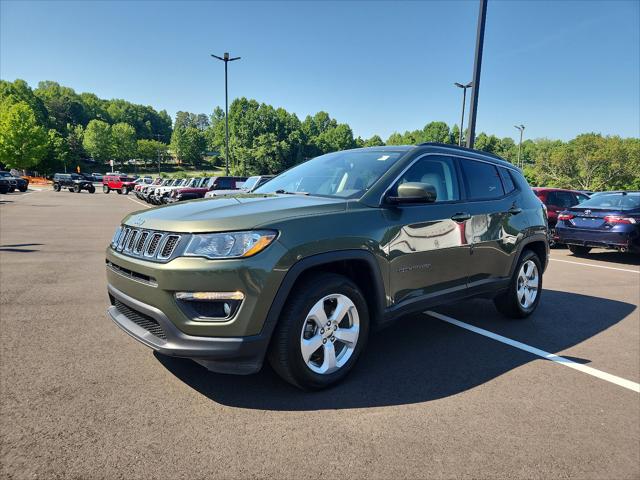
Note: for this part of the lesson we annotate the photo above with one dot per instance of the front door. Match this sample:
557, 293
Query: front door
426, 244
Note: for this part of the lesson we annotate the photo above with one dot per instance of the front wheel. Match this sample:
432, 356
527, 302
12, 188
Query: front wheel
523, 295
76, 189
579, 250
23, 188
321, 333
124, 191
56, 187
92, 189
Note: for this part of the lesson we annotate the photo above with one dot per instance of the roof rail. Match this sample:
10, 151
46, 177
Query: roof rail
457, 147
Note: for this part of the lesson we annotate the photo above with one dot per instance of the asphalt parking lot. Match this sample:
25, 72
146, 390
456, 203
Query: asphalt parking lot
430, 398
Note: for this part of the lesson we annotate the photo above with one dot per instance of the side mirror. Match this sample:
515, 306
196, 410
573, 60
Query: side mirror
414, 192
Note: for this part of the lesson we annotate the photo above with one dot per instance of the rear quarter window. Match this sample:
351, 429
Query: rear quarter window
507, 180
482, 180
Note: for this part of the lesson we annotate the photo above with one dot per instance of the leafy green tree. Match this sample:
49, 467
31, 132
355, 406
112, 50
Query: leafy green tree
188, 144
395, 139
436, 132
123, 142
19, 91
150, 150
75, 136
63, 104
97, 140
23, 143
57, 155
374, 141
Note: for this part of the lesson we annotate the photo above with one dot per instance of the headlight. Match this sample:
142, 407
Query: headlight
229, 245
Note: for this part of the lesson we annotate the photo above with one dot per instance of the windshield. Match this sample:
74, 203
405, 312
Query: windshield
250, 183
613, 201
346, 174
5, 174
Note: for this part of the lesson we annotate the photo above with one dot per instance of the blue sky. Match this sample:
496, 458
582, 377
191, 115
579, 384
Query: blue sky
559, 67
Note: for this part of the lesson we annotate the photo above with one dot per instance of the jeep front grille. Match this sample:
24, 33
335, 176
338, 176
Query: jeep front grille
146, 244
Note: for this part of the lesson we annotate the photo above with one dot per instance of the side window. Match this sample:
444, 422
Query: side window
482, 180
560, 199
507, 180
438, 171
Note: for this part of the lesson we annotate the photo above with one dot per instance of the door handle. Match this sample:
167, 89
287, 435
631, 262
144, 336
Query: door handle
514, 210
461, 217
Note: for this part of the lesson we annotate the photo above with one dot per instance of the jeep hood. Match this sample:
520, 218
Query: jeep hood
239, 212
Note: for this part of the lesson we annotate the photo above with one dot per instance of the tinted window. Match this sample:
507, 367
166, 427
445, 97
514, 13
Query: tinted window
617, 201
561, 199
224, 183
482, 180
507, 180
437, 171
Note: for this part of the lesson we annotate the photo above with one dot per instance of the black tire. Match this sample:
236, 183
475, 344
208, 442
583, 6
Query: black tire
56, 187
285, 354
12, 189
105, 189
76, 189
92, 189
71, 189
508, 302
119, 191
23, 189
579, 250
124, 191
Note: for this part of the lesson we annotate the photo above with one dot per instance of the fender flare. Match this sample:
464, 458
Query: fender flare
303, 265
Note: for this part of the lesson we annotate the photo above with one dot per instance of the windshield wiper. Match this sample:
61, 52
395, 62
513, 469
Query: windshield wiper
291, 193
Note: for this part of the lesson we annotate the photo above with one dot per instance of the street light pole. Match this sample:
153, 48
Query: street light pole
225, 58
464, 101
477, 65
521, 128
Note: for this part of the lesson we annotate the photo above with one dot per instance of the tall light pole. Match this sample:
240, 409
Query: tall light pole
477, 65
225, 58
464, 101
521, 128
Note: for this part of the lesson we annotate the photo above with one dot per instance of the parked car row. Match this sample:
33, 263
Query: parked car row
164, 191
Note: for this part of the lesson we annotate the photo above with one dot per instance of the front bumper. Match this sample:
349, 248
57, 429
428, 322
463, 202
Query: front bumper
151, 327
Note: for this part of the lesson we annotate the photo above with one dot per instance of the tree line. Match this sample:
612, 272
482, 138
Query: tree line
52, 126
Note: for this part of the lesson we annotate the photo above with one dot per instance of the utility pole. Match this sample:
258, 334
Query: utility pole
477, 66
464, 101
521, 128
225, 58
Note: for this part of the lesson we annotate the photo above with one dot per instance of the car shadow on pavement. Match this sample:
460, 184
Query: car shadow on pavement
420, 358
611, 257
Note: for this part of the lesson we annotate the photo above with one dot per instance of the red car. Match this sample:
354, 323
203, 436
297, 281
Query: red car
556, 200
119, 183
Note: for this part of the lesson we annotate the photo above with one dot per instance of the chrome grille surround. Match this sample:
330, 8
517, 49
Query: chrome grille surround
147, 244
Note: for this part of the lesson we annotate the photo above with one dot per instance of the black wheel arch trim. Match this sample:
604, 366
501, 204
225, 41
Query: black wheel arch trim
307, 263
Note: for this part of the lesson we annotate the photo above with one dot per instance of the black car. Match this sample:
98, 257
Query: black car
72, 181
4, 185
15, 182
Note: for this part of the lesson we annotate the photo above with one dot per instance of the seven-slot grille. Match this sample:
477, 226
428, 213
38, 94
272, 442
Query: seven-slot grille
147, 244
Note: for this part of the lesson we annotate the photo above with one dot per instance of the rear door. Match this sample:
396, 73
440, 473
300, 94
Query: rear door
490, 231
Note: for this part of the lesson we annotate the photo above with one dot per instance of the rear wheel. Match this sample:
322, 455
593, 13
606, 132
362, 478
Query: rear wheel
92, 189
579, 249
523, 295
105, 189
321, 333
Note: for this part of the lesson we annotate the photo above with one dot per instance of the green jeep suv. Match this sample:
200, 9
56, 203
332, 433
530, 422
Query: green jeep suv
300, 270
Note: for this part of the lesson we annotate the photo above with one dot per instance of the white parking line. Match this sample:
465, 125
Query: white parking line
596, 266
541, 353
139, 203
